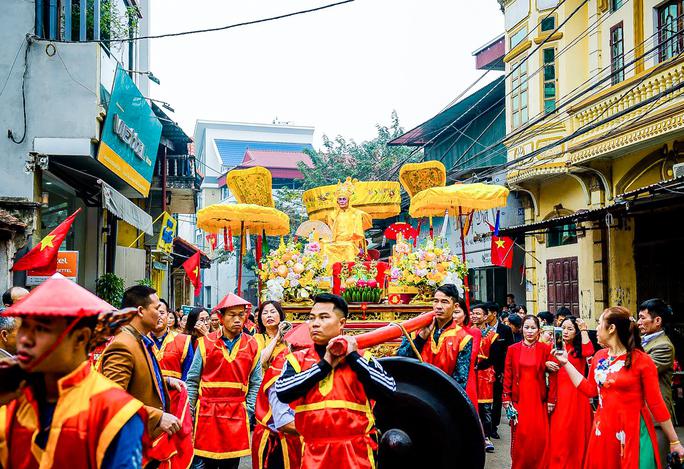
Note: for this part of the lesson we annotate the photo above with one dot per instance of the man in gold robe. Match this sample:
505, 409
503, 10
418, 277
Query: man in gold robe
348, 225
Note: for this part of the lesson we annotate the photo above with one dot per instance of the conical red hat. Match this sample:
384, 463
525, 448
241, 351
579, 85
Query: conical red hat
230, 300
299, 337
59, 297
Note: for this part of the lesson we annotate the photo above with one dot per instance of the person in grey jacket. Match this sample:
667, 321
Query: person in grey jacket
654, 315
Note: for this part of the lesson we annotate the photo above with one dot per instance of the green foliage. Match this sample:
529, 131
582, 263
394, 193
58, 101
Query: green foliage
223, 255
290, 202
371, 160
110, 288
145, 281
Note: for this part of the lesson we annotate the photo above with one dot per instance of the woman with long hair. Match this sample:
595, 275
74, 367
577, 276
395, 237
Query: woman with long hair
269, 318
626, 382
462, 319
275, 441
197, 324
525, 392
572, 415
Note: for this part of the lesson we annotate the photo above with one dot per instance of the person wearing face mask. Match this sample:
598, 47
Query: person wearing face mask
222, 388
173, 350
625, 380
444, 343
42, 422
525, 392
572, 415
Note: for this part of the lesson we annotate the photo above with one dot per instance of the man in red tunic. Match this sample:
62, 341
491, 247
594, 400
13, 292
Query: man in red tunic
222, 386
42, 423
486, 376
331, 395
443, 343
276, 443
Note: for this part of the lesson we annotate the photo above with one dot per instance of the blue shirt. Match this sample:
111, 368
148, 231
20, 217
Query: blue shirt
185, 366
149, 345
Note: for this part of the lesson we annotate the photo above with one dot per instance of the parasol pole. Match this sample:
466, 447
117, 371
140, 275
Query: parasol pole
240, 258
466, 283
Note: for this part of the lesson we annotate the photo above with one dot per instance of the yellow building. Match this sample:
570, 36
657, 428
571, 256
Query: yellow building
595, 121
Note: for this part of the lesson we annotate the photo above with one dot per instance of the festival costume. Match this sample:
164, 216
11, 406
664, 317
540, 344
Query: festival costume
335, 417
622, 435
221, 408
444, 352
525, 387
347, 227
571, 417
90, 412
487, 375
172, 354
265, 441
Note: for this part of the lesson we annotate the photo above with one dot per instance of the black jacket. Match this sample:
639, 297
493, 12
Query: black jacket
497, 354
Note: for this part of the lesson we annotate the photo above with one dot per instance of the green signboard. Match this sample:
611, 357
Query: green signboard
130, 135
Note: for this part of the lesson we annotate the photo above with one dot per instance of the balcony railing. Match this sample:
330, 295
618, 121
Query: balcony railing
181, 172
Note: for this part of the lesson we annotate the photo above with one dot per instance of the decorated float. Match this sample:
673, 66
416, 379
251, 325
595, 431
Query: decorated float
329, 252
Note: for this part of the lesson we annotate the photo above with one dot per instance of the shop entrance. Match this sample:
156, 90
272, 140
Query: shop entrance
562, 284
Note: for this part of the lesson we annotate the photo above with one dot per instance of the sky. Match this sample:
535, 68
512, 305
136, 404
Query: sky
341, 70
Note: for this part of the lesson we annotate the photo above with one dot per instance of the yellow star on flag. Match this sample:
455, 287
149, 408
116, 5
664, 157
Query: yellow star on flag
196, 271
46, 242
500, 243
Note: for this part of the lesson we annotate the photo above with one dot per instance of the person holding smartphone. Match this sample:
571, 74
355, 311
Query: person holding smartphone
572, 415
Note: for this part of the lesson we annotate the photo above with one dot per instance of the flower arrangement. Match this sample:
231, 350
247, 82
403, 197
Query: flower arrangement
426, 268
359, 283
291, 274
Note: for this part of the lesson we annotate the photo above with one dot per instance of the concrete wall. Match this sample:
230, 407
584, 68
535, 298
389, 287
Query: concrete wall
13, 29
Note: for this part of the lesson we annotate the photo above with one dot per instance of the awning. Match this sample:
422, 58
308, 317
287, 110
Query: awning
577, 217
124, 209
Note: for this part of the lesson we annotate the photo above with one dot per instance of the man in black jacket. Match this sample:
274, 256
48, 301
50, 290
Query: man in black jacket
498, 358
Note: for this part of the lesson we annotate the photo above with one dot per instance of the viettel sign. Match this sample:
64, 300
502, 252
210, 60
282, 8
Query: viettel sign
130, 135
67, 265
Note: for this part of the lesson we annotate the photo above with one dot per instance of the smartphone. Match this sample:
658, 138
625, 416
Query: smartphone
558, 343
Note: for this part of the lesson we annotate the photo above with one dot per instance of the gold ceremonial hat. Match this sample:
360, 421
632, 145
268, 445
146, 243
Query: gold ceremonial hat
346, 188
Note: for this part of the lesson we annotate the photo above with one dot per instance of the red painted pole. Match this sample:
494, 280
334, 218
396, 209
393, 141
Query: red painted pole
466, 283
382, 335
240, 258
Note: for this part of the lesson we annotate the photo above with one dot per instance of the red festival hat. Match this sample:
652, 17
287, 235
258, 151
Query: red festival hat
59, 297
229, 301
299, 337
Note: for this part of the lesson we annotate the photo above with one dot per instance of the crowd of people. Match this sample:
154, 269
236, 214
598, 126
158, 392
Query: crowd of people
206, 388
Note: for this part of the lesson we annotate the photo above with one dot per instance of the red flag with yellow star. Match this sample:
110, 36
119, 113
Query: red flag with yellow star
502, 251
43, 257
192, 269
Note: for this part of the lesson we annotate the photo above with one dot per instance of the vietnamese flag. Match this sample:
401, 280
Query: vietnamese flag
192, 269
502, 251
43, 257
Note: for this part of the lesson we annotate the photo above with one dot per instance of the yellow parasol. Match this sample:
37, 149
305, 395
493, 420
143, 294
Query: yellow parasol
457, 199
239, 218
416, 177
243, 217
379, 199
251, 186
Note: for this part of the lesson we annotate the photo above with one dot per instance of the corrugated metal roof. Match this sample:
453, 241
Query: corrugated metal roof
463, 111
233, 151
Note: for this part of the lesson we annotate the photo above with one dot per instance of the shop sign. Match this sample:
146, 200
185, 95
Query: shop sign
167, 232
67, 265
130, 135
186, 309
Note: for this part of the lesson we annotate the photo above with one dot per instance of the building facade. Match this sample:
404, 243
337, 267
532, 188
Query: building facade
83, 134
221, 147
594, 124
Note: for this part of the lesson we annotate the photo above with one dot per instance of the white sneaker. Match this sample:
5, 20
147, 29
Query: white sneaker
489, 447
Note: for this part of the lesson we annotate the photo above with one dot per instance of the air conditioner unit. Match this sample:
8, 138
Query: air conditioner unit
678, 170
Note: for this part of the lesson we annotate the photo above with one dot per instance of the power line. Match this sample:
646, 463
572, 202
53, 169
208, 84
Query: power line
570, 100
392, 171
220, 28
